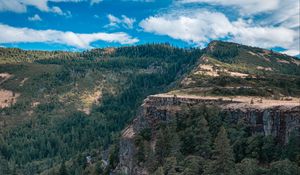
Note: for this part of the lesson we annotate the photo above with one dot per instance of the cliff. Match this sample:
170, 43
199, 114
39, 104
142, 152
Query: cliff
269, 117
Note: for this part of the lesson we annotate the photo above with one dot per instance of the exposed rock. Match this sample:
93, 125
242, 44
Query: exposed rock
23, 81
282, 61
4, 77
269, 117
7, 98
264, 68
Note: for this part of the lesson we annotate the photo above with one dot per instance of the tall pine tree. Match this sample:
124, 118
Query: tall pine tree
223, 160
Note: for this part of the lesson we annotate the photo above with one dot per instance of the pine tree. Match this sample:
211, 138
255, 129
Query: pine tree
202, 138
163, 144
193, 165
195, 135
223, 163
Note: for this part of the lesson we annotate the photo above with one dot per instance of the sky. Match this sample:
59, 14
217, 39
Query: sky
77, 25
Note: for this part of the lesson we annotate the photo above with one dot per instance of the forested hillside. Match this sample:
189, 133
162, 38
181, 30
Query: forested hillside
72, 105
236, 113
203, 140
63, 112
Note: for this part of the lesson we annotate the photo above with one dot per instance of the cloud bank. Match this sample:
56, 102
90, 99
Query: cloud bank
202, 26
9, 34
20, 6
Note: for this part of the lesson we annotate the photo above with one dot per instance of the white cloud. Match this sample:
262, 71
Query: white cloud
288, 15
284, 14
9, 34
14, 6
245, 6
20, 6
124, 21
195, 28
201, 26
113, 21
58, 11
128, 22
36, 17
291, 52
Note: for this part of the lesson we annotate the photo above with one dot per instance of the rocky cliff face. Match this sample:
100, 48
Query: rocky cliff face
269, 118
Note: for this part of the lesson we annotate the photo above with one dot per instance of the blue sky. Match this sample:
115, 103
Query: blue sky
86, 24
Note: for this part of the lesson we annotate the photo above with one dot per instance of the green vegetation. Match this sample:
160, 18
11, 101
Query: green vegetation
244, 70
218, 147
72, 106
47, 125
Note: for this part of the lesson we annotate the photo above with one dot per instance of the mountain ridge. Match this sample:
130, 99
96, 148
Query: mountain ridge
68, 106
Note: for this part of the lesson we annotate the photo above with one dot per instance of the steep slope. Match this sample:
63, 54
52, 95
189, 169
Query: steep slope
252, 92
233, 69
65, 106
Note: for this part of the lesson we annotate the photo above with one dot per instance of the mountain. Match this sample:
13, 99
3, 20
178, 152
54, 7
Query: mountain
239, 108
233, 69
66, 110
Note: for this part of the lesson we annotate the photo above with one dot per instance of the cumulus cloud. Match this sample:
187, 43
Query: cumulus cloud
284, 14
123, 21
36, 17
201, 26
9, 34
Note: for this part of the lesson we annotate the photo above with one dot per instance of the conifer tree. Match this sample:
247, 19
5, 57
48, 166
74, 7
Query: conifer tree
193, 165
223, 163
202, 138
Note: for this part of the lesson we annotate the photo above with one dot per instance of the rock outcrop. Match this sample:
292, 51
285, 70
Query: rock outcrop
269, 117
